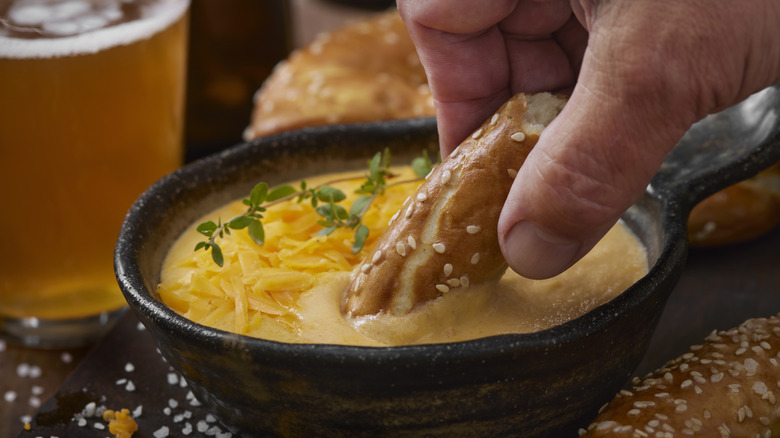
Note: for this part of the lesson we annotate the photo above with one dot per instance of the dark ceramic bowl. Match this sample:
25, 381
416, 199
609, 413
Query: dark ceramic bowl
531, 385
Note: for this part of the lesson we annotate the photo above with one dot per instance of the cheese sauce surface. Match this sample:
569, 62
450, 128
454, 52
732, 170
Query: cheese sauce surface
291, 289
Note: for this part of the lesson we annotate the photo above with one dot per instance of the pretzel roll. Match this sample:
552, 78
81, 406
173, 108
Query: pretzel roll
364, 71
739, 212
726, 387
445, 236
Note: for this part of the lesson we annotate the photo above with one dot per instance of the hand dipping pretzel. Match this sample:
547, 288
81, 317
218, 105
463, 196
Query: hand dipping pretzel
444, 237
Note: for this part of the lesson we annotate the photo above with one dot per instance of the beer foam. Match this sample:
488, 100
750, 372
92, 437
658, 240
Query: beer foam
91, 33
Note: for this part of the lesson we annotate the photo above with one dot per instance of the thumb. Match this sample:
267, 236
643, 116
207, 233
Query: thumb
586, 170
593, 161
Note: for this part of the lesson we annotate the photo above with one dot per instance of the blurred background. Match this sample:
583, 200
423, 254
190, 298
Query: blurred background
234, 45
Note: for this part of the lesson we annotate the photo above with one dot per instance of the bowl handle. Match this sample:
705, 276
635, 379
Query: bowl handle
722, 149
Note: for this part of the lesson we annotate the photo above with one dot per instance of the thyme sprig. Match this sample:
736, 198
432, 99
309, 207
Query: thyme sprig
324, 198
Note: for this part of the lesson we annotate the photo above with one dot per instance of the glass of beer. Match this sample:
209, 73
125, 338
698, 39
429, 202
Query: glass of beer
91, 114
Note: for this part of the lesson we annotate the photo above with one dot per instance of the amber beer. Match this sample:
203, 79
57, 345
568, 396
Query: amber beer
91, 111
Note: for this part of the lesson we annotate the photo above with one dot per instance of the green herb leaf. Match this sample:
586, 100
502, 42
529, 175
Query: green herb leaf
280, 192
386, 159
207, 228
422, 166
339, 212
326, 193
200, 245
367, 187
326, 231
258, 194
360, 205
374, 166
216, 254
240, 222
326, 223
257, 232
325, 211
361, 234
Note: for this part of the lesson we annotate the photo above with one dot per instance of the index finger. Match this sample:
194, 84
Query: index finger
471, 50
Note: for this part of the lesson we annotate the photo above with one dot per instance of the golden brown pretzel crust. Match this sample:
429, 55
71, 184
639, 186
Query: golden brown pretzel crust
445, 236
740, 212
727, 387
365, 71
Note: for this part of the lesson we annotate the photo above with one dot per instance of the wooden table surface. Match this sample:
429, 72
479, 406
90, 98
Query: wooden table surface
720, 288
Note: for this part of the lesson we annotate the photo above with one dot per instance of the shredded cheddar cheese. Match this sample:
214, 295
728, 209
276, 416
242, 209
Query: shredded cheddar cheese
120, 423
261, 284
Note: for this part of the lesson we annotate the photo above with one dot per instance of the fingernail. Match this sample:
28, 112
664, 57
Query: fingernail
535, 253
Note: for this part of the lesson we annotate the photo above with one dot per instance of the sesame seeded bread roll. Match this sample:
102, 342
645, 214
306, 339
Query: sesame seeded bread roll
363, 72
726, 387
445, 235
740, 212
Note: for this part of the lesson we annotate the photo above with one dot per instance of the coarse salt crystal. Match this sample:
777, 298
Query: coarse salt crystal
23, 370
89, 409
35, 372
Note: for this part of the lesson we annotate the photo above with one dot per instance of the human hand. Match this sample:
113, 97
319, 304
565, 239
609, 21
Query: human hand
640, 73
